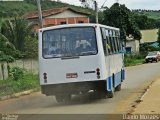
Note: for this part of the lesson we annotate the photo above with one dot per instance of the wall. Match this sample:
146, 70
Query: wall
134, 44
30, 65
57, 21
67, 14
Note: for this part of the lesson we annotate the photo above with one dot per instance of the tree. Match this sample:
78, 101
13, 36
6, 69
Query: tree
5, 50
144, 22
5, 45
17, 31
31, 47
121, 17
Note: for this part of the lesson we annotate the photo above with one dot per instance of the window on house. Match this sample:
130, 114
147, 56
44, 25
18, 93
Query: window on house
64, 22
80, 21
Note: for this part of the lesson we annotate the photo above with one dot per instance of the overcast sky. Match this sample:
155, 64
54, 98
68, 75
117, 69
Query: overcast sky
131, 4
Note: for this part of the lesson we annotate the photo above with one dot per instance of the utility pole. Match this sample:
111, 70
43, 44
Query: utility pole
95, 6
96, 10
40, 13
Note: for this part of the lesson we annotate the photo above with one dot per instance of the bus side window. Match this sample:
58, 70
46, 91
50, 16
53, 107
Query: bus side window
111, 40
118, 41
104, 41
115, 42
108, 44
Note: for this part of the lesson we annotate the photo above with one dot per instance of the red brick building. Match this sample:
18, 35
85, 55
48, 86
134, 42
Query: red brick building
58, 16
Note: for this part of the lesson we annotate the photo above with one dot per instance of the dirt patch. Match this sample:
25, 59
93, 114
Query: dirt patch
129, 103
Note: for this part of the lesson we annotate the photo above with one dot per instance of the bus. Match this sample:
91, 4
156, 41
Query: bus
80, 58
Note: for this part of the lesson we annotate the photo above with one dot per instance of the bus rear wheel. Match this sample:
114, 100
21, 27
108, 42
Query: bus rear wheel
118, 88
110, 94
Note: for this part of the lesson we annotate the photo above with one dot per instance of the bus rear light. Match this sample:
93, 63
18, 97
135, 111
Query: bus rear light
98, 73
45, 77
97, 69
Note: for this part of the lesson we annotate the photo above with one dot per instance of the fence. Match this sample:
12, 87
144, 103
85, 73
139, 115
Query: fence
30, 65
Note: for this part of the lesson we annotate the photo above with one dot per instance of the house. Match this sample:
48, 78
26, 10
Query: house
132, 45
148, 37
58, 16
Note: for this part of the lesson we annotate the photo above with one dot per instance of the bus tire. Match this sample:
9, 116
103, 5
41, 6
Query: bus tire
118, 88
110, 94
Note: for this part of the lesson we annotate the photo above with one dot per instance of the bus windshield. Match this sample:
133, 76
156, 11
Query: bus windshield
66, 42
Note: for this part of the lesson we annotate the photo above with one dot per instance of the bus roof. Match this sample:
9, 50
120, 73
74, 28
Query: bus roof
77, 25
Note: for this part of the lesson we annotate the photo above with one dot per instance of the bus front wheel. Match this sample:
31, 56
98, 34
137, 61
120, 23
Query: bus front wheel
118, 88
110, 94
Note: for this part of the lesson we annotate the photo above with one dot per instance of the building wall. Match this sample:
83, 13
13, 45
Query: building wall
58, 21
66, 17
67, 14
134, 44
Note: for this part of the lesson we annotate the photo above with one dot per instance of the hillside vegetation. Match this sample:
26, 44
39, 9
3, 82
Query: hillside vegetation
153, 15
11, 8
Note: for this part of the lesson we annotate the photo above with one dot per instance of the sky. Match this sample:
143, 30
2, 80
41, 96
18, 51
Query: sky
131, 4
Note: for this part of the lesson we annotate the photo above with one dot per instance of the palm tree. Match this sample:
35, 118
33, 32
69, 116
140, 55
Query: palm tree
17, 31
4, 41
5, 45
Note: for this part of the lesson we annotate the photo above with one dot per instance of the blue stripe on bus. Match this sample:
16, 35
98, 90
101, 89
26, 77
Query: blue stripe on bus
109, 83
118, 79
123, 74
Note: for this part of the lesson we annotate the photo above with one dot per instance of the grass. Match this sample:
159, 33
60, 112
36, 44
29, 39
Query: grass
132, 60
152, 15
27, 82
23, 7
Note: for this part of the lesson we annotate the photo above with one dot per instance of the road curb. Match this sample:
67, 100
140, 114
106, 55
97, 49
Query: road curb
16, 95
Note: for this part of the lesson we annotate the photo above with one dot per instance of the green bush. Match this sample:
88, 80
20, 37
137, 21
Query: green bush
133, 59
27, 82
16, 73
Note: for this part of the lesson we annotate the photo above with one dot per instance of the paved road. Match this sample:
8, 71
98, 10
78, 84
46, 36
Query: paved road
37, 103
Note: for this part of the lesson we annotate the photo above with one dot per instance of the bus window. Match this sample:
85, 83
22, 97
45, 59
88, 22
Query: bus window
69, 42
104, 40
108, 44
111, 39
115, 42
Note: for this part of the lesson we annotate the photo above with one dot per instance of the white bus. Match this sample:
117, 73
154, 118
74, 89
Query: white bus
78, 58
